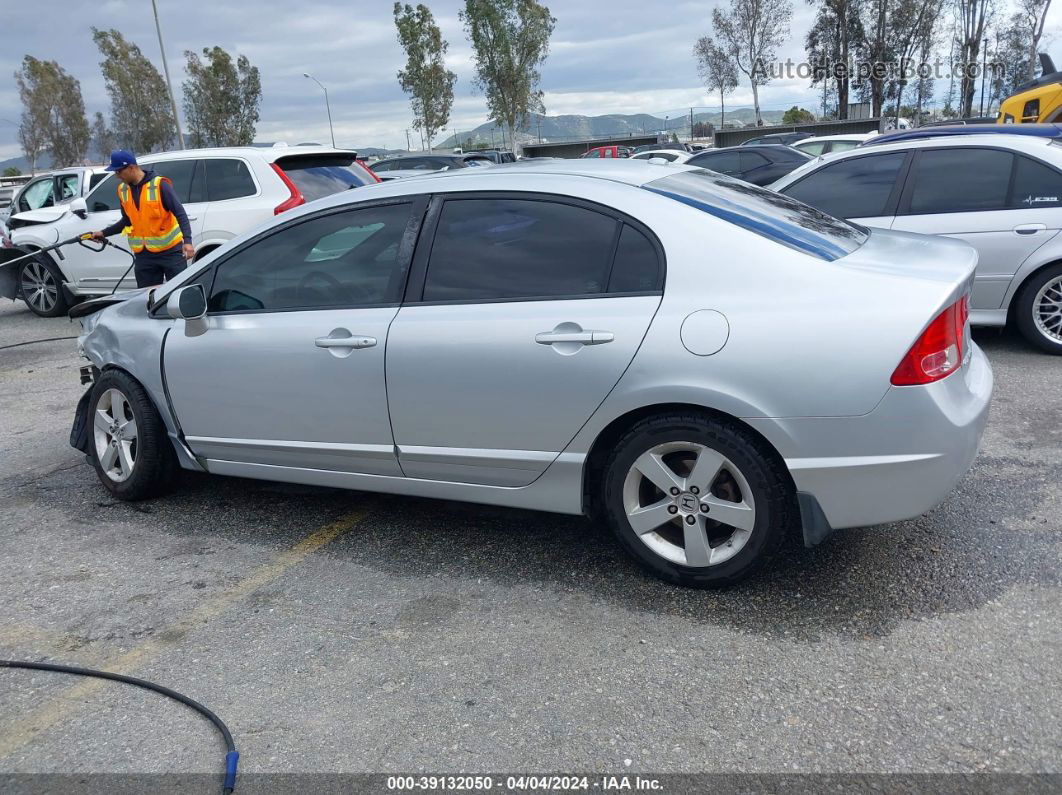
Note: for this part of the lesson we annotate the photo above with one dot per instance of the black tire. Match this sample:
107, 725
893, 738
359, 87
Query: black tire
771, 490
154, 467
1026, 310
41, 284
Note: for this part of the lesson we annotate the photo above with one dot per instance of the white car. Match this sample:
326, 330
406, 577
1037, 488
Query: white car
670, 155
1000, 193
55, 187
825, 144
224, 191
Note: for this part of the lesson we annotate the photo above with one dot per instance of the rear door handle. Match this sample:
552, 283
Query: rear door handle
193, 217
1030, 229
345, 342
582, 337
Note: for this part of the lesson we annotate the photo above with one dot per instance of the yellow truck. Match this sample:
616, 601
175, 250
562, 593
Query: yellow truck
1039, 100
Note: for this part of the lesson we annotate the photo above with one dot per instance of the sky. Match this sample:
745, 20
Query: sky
614, 56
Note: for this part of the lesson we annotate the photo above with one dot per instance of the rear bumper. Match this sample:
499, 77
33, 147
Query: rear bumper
895, 463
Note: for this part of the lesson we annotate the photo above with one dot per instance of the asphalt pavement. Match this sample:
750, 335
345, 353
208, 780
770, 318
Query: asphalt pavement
347, 632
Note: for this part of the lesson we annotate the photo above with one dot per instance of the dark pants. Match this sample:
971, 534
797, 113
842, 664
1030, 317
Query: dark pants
151, 268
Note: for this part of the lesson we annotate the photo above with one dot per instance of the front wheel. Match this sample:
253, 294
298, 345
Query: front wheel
695, 500
1039, 308
131, 451
40, 283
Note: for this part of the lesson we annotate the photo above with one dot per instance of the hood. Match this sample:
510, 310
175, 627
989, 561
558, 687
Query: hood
96, 304
45, 215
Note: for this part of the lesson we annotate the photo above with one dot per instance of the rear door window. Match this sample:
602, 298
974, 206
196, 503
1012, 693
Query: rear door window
186, 176
228, 179
858, 187
512, 249
1035, 185
964, 179
317, 177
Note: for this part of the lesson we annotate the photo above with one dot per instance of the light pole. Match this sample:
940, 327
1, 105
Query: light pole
166, 69
327, 106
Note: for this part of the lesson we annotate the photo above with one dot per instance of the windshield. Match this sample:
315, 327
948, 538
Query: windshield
772, 215
323, 175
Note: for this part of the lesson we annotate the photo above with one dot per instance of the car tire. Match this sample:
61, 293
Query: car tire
128, 443
41, 284
1039, 309
704, 552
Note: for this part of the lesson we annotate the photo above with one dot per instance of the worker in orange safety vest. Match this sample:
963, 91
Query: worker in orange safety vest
154, 220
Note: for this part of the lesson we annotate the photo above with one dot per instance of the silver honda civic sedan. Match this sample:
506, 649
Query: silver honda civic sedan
702, 364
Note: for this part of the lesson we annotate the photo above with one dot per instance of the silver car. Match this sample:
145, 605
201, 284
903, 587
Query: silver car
1002, 194
703, 364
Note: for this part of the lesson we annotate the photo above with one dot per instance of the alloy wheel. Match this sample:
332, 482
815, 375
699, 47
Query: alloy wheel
689, 504
115, 434
1047, 310
39, 288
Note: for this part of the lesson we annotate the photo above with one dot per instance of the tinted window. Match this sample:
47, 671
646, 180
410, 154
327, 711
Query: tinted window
322, 176
960, 180
385, 165
1036, 185
96, 179
724, 162
812, 149
228, 179
105, 196
512, 248
186, 176
345, 259
855, 188
751, 160
753, 141
770, 214
637, 268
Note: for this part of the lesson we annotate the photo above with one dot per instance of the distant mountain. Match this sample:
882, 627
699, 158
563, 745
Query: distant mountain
574, 127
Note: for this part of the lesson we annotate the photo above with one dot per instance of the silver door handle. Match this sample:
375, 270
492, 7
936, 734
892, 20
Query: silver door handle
1030, 229
345, 342
583, 337
193, 217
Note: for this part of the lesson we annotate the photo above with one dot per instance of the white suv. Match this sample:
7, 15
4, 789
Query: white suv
224, 191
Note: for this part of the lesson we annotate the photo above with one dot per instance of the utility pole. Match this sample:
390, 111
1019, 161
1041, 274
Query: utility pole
984, 68
691, 125
166, 69
408, 146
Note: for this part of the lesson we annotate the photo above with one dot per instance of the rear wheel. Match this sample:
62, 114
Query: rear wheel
131, 451
1039, 308
40, 283
695, 500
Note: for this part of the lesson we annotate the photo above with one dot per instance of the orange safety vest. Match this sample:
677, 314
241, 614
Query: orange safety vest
152, 226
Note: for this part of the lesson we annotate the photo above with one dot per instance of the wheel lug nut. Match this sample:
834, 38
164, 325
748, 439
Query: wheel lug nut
672, 509
690, 520
704, 507
674, 491
694, 490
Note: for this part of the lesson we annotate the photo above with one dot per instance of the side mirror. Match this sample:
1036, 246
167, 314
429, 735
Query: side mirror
187, 303
79, 208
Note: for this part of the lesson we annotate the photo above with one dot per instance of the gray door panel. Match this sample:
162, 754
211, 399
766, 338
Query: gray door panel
475, 398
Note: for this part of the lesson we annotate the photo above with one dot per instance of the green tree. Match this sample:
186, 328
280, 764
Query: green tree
510, 40
717, 71
833, 38
102, 136
53, 116
221, 99
11, 171
797, 115
751, 31
141, 115
427, 81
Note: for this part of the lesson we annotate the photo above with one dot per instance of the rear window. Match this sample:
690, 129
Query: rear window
772, 215
323, 175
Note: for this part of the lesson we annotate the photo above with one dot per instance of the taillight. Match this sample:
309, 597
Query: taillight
369, 171
939, 351
294, 200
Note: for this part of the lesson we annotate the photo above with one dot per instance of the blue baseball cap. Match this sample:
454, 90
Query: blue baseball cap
120, 158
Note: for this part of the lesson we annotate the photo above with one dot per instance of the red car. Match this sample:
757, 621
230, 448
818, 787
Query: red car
608, 151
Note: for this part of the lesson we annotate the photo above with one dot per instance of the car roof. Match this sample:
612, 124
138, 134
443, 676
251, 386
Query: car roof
1031, 130
840, 137
267, 153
